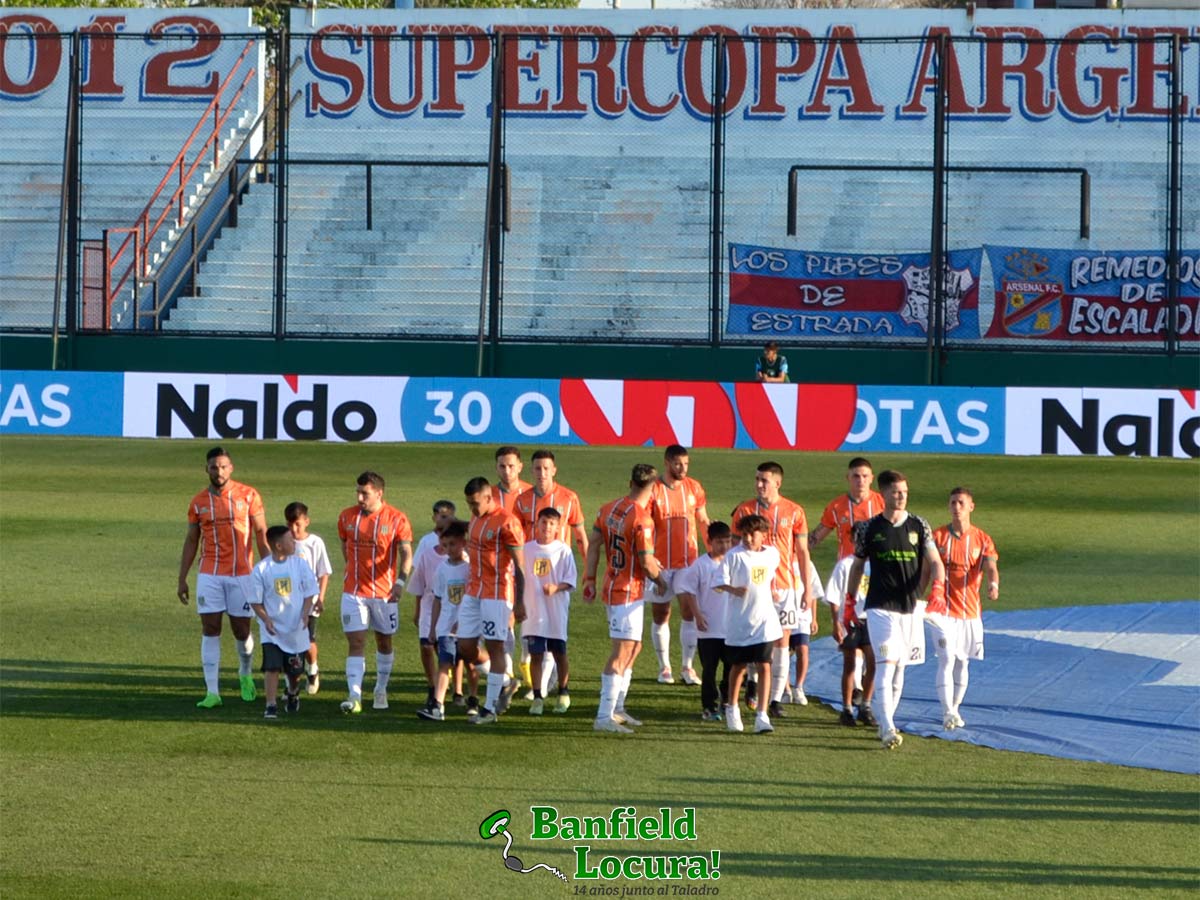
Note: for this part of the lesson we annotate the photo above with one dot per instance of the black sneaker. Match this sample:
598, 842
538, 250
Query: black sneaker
856, 698
775, 710
272, 712
472, 707
459, 700
293, 703
432, 712
867, 717
847, 718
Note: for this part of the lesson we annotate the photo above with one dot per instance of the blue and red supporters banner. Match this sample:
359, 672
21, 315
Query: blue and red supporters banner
807, 294
1114, 296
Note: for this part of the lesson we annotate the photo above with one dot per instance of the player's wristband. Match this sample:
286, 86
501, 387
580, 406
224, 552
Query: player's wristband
588, 578
402, 581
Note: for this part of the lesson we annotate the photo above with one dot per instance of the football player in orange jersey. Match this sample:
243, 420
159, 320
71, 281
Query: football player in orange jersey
624, 528
376, 543
547, 493
679, 509
968, 553
841, 514
494, 593
789, 535
225, 521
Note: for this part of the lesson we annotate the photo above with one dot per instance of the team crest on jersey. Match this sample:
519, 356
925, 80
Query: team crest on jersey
912, 538
283, 587
758, 574
489, 534
384, 529
241, 506
541, 567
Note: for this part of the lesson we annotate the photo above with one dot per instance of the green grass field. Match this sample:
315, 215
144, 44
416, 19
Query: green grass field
113, 785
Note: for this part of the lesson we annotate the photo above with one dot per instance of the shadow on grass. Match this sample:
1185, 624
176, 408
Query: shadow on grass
79, 690
1020, 802
822, 867
982, 872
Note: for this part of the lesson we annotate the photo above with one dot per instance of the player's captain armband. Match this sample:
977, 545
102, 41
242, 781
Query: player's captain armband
937, 598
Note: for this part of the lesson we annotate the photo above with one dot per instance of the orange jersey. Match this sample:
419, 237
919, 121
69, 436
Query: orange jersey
787, 524
226, 528
371, 542
507, 498
490, 544
673, 510
963, 555
841, 514
627, 532
529, 503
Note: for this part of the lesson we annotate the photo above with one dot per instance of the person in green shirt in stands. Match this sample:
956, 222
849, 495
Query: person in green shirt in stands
771, 366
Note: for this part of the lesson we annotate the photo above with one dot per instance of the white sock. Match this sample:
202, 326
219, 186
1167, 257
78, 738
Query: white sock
687, 643
858, 670
245, 651
608, 696
495, 684
356, 667
482, 669
660, 636
383, 670
945, 683
897, 689
549, 671
623, 689
884, 675
311, 668
210, 660
960, 682
778, 672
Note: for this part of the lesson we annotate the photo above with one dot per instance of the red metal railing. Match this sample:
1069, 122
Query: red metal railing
139, 236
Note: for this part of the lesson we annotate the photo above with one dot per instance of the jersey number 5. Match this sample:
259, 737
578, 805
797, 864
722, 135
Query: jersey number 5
616, 552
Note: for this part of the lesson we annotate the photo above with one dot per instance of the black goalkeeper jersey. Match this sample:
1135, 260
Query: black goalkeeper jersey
897, 555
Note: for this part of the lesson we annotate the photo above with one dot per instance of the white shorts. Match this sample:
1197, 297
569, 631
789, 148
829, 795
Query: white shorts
956, 638
470, 626
225, 594
493, 620
625, 621
787, 610
897, 637
362, 613
652, 593
425, 623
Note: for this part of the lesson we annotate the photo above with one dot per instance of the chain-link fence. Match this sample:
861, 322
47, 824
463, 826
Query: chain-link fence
566, 184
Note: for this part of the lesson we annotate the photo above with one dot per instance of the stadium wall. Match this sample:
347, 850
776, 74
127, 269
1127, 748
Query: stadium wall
117, 353
709, 414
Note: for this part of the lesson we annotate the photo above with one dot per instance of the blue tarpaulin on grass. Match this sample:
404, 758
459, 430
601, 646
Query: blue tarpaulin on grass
1116, 684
